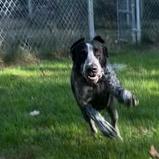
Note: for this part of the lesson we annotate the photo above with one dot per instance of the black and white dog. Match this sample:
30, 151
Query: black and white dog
95, 85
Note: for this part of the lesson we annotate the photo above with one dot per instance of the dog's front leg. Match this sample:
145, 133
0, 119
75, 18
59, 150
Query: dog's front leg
105, 127
90, 121
83, 95
114, 87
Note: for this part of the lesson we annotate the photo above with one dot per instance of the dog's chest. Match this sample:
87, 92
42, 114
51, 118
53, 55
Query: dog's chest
100, 97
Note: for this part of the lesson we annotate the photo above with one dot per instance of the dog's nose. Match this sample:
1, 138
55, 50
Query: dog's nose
92, 69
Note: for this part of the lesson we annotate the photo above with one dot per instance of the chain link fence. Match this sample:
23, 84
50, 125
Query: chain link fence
49, 27
105, 15
129, 21
42, 26
150, 21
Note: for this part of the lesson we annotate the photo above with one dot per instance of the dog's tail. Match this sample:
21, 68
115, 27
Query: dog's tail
105, 127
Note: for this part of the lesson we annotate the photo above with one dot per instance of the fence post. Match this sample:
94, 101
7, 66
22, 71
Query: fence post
30, 9
133, 32
138, 21
91, 19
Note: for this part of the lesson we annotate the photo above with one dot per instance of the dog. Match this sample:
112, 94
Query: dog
95, 86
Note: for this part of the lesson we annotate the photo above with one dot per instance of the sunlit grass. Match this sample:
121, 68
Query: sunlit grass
60, 131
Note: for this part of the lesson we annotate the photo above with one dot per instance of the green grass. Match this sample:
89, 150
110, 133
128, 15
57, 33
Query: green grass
60, 132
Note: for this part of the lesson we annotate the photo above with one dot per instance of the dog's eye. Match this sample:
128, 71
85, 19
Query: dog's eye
83, 52
97, 53
96, 50
83, 55
97, 56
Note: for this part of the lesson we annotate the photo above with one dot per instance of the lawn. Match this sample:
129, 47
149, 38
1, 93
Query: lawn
59, 131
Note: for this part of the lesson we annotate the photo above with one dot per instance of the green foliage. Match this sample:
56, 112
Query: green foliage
60, 131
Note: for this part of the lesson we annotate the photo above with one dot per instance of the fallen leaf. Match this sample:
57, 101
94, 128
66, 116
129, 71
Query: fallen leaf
153, 152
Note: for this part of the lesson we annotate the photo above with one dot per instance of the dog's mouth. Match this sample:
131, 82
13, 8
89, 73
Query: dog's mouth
93, 77
92, 74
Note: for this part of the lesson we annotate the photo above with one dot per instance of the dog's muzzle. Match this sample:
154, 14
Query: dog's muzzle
93, 73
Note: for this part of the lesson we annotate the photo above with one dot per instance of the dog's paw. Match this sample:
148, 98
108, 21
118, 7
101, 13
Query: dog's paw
130, 99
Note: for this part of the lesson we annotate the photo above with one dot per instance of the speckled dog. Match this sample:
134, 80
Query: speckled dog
95, 85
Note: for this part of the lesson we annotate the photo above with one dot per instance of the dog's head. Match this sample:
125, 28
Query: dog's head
90, 58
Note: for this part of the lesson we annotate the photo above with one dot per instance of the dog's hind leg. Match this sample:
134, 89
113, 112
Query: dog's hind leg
111, 109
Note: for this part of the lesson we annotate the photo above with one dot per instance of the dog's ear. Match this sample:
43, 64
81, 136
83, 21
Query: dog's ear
73, 49
77, 42
99, 39
105, 51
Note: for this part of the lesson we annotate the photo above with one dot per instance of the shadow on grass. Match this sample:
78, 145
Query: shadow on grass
46, 68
